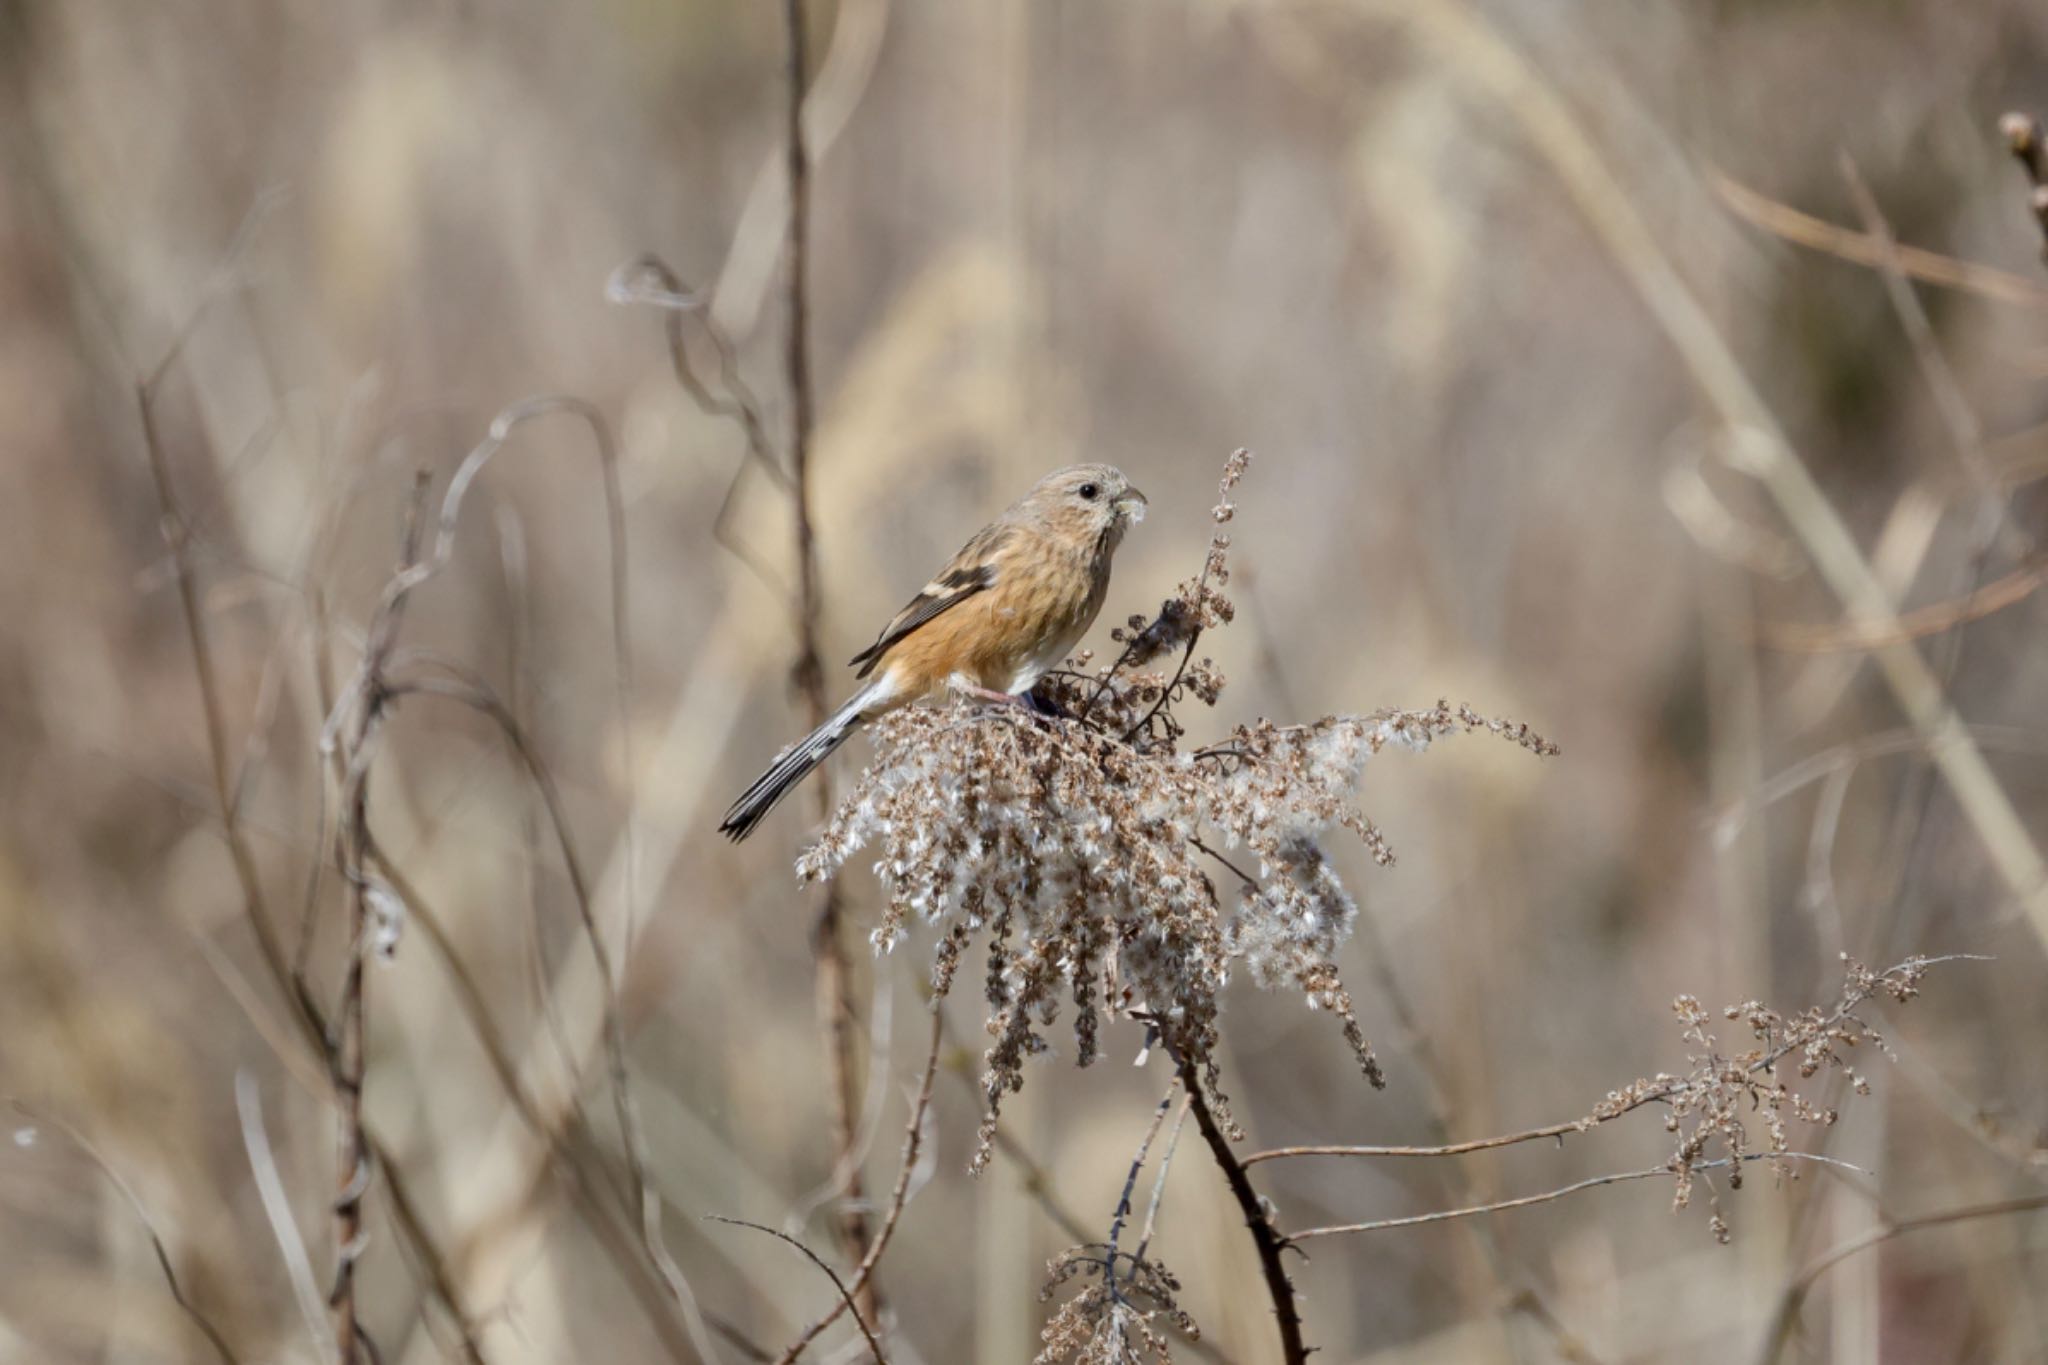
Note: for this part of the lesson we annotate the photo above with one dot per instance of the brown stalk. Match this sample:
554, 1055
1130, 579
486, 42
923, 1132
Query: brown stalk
913, 1142
1932, 619
1123, 1203
649, 280
1786, 1316
369, 696
1555, 1130
346, 1059
1930, 267
178, 538
1847, 1006
845, 1298
1525, 1201
289, 974
1266, 1239
1037, 1182
572, 1147
312, 1024
835, 978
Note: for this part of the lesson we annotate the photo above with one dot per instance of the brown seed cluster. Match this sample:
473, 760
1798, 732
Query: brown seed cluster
1724, 1092
1110, 1322
1083, 850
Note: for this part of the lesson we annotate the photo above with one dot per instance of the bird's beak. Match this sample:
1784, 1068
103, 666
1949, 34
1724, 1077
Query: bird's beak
1133, 504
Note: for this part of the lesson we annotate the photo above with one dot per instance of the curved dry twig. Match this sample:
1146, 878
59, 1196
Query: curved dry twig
913, 1143
1930, 267
1801, 1284
156, 1242
845, 1295
1932, 619
1503, 1205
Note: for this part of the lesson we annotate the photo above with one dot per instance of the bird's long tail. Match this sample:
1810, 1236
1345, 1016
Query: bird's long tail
795, 765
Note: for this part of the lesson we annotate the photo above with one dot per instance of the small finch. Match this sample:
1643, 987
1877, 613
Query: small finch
1009, 606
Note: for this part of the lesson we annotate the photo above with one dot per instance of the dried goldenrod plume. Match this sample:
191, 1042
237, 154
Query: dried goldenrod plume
1111, 1321
1724, 1092
1080, 848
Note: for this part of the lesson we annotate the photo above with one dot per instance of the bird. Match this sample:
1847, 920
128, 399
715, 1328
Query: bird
1010, 605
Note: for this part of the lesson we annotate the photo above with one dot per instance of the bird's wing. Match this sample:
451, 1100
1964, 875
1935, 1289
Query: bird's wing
971, 571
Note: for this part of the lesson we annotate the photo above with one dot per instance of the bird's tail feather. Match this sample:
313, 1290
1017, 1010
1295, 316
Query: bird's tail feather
793, 766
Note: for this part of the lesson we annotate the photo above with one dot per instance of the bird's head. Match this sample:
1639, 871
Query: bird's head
1092, 502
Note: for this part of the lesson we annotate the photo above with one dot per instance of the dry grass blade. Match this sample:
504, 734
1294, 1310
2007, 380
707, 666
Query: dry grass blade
1863, 248
1787, 1312
276, 1202
2012, 588
835, 972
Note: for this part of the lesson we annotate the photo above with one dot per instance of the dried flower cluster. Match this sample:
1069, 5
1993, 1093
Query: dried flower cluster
1715, 1101
1110, 1322
1074, 846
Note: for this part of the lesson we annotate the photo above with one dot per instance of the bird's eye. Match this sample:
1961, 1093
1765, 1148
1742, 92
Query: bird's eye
1090, 492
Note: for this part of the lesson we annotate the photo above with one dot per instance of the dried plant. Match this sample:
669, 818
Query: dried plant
1074, 845
1724, 1092
1110, 1322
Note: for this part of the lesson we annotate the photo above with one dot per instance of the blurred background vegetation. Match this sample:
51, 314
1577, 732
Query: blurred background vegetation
1435, 263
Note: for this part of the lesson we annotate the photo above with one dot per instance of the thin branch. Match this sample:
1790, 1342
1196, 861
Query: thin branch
1932, 619
845, 1296
1266, 1239
1789, 1302
1159, 1182
371, 693
156, 1241
1237, 871
835, 975
1555, 1130
797, 359
178, 538
913, 1143
1166, 693
424, 1258
1123, 1203
1965, 432
1037, 1182
1992, 521
369, 906
2007, 738
1851, 1001
647, 1198
289, 974
650, 281
1782, 220
1446, 1215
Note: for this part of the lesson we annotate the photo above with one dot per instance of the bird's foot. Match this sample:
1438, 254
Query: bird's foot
990, 695
1029, 703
